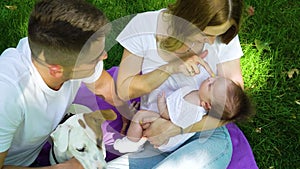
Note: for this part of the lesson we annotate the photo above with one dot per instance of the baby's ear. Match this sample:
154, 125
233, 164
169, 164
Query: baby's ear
205, 105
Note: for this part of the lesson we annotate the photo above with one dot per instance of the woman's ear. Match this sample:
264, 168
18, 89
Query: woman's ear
104, 56
56, 71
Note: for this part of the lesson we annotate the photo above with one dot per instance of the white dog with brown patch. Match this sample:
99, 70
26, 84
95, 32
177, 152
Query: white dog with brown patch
80, 136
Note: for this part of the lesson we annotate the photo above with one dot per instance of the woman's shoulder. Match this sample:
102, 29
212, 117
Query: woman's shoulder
146, 18
141, 25
149, 14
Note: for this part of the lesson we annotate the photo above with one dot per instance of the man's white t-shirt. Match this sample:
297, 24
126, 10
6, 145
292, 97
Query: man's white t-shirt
139, 38
29, 109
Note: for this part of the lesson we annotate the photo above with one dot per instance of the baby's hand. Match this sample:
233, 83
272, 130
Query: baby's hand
162, 106
134, 107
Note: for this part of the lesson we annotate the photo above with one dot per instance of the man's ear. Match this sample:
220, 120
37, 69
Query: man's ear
205, 105
56, 71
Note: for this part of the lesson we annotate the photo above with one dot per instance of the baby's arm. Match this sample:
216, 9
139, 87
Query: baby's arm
162, 106
133, 108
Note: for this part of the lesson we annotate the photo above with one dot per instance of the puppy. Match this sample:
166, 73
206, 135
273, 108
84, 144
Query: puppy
80, 136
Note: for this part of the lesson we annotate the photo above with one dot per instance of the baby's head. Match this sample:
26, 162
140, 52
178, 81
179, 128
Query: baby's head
224, 99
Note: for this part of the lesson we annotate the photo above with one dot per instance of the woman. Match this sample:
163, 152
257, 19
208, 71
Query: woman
168, 43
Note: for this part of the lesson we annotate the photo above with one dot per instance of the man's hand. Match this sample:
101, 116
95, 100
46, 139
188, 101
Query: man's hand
73, 163
160, 131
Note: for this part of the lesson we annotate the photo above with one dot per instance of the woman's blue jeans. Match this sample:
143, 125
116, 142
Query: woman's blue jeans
205, 150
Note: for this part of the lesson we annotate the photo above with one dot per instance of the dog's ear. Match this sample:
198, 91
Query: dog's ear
109, 114
60, 137
78, 108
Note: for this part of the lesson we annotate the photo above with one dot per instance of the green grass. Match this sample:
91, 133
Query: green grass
274, 131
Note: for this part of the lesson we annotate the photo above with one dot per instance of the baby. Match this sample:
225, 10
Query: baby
218, 97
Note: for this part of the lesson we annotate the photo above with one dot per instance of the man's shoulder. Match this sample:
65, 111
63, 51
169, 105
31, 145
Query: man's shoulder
14, 61
12, 53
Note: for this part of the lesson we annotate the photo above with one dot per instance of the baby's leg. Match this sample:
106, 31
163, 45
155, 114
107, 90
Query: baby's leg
134, 142
162, 106
135, 129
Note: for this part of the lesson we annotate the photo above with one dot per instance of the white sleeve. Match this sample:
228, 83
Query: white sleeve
10, 113
135, 36
130, 39
230, 51
96, 75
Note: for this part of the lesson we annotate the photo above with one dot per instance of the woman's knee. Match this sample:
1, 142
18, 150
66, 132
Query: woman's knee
204, 150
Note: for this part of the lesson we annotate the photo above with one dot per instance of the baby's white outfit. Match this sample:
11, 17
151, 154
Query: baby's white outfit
181, 112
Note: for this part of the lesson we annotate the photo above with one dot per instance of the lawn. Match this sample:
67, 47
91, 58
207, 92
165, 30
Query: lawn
270, 40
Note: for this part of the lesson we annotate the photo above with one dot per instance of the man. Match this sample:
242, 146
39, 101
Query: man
41, 76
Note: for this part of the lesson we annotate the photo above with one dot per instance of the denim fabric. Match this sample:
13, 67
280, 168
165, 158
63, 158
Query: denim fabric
205, 150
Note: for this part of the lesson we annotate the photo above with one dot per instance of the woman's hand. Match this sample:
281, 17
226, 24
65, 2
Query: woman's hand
188, 65
159, 131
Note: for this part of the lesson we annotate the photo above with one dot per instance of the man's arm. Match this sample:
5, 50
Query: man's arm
2, 158
71, 164
104, 87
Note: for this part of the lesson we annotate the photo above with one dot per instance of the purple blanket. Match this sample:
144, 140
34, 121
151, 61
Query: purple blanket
242, 157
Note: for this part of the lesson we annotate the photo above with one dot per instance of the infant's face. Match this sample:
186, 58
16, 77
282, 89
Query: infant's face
216, 85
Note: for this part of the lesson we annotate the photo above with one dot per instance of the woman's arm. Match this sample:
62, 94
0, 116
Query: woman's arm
160, 130
131, 83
